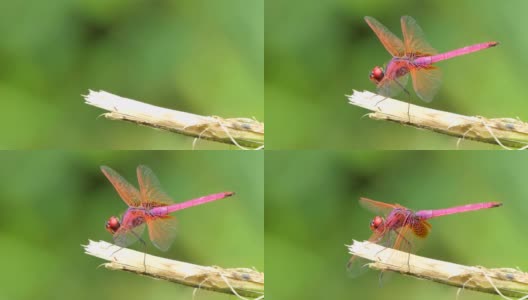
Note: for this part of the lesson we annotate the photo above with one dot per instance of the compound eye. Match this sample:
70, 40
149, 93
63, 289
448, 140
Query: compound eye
376, 223
112, 225
377, 74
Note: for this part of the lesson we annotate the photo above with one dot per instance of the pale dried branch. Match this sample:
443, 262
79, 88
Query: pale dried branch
242, 132
242, 282
505, 281
506, 132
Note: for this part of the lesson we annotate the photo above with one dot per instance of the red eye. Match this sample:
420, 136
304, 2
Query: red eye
112, 225
376, 223
376, 75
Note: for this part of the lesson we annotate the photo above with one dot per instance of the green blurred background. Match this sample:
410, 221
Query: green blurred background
200, 56
318, 51
312, 211
54, 201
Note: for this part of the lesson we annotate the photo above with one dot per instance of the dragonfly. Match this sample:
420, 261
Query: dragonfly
149, 206
400, 228
413, 56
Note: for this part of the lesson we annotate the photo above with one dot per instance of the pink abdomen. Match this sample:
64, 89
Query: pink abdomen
428, 60
165, 210
427, 214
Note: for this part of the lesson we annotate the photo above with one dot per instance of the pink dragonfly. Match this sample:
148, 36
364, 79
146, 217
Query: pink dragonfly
401, 226
415, 56
150, 206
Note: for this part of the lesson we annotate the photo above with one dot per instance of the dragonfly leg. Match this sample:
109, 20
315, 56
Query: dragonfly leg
377, 253
408, 100
408, 105
378, 241
144, 254
144, 250
381, 101
409, 111
380, 279
409, 248
120, 248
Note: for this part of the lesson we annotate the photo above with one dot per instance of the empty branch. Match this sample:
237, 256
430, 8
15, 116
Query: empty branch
242, 132
238, 281
502, 281
501, 131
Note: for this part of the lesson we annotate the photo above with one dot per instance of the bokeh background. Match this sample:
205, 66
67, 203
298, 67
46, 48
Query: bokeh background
312, 211
200, 56
52, 202
318, 51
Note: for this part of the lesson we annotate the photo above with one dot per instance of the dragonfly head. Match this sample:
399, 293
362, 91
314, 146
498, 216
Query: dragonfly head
376, 75
112, 225
377, 224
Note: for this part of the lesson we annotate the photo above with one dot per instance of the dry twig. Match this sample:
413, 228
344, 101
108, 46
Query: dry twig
505, 132
242, 282
242, 132
505, 281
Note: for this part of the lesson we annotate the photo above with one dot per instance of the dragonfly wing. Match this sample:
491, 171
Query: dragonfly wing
426, 82
150, 188
125, 237
162, 231
391, 87
410, 237
132, 227
392, 43
377, 207
126, 191
357, 265
414, 38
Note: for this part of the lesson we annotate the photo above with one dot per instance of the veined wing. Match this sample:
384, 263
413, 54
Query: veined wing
426, 82
357, 265
414, 38
377, 207
410, 236
162, 231
152, 194
131, 229
391, 42
126, 191
391, 87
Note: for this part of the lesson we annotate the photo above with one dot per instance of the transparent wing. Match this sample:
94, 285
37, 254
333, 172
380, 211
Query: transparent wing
150, 189
132, 227
357, 265
426, 82
391, 42
410, 237
414, 38
162, 231
391, 87
377, 207
126, 191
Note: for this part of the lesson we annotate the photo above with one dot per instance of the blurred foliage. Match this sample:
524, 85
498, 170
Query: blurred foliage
316, 52
204, 57
312, 211
54, 201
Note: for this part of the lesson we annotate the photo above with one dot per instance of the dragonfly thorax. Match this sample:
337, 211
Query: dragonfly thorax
112, 225
376, 75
